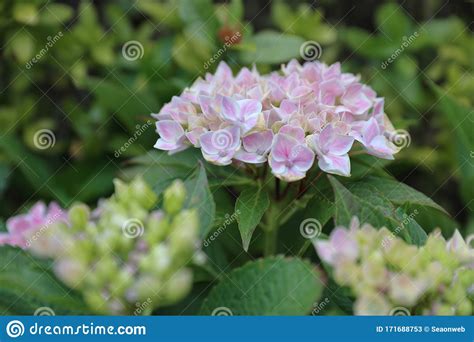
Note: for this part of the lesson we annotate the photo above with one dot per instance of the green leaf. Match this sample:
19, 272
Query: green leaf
250, 207
371, 206
27, 284
271, 286
398, 193
199, 196
273, 48
347, 205
416, 234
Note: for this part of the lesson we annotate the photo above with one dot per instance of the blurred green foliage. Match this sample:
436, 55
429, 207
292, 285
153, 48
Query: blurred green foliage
63, 69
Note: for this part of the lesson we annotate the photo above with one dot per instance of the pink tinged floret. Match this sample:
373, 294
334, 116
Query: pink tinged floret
172, 136
341, 245
243, 113
332, 150
356, 100
21, 227
372, 137
219, 147
255, 147
290, 159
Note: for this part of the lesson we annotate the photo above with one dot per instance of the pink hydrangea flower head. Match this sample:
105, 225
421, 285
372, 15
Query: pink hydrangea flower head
284, 118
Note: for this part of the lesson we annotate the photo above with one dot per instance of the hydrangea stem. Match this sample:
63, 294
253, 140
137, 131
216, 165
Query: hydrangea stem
271, 230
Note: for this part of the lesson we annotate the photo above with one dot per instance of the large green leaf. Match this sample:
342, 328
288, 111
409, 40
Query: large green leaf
371, 206
27, 285
397, 192
250, 207
199, 196
272, 286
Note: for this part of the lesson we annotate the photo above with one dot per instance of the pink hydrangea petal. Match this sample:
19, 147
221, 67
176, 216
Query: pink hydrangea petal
250, 157
381, 147
207, 144
343, 242
258, 142
18, 224
278, 167
194, 135
248, 113
302, 158
295, 132
230, 109
169, 130
341, 144
370, 130
206, 103
338, 165
325, 251
282, 147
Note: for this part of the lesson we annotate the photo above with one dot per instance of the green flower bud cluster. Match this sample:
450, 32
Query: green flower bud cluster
387, 274
125, 257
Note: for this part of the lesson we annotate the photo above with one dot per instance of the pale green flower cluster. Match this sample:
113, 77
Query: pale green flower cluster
125, 257
387, 275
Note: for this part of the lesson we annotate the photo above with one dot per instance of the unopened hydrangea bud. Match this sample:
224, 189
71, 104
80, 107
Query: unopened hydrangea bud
174, 197
79, 216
